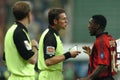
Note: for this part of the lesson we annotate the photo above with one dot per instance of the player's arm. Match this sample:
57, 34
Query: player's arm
24, 47
97, 71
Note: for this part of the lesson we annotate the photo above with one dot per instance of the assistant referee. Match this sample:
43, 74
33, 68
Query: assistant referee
20, 56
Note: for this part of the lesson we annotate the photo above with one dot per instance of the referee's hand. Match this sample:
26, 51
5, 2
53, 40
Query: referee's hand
74, 53
34, 43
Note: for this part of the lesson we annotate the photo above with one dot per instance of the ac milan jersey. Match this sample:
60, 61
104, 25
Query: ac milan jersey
103, 53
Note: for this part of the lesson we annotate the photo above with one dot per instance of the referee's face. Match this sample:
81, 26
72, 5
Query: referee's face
62, 22
30, 17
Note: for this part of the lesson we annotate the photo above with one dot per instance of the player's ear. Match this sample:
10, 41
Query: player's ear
97, 26
55, 21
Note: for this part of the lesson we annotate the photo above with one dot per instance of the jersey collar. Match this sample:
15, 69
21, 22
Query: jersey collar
101, 34
53, 30
21, 25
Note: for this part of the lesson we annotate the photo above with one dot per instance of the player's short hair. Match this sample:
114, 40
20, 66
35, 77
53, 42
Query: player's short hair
54, 14
101, 20
21, 9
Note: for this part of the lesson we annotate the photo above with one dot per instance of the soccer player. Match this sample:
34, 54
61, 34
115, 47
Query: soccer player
20, 56
50, 54
103, 56
117, 76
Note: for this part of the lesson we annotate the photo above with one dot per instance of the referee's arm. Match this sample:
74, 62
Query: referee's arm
24, 48
50, 57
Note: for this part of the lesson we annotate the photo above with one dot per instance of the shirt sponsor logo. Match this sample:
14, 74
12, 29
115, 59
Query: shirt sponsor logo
102, 55
50, 50
27, 45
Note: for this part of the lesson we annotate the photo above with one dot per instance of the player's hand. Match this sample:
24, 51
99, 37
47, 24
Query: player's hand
87, 49
74, 53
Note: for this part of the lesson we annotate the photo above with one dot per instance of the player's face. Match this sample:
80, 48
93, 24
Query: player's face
93, 27
62, 21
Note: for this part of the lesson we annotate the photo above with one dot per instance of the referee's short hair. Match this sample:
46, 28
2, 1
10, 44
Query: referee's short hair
54, 14
21, 9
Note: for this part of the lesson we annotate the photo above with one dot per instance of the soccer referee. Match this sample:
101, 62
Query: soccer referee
50, 54
20, 56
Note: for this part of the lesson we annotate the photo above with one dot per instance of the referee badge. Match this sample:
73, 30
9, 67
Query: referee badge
27, 45
50, 50
102, 55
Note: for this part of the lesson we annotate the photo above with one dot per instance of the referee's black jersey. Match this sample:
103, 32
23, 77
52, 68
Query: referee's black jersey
20, 38
50, 40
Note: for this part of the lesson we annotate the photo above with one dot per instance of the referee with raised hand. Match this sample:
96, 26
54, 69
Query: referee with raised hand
50, 54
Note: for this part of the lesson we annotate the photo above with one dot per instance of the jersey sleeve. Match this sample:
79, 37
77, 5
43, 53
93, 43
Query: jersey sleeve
103, 53
22, 44
49, 45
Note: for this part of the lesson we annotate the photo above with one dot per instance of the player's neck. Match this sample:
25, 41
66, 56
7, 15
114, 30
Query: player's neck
55, 28
24, 22
99, 31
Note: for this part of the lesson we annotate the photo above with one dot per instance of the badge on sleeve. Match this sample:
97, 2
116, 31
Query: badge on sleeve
50, 50
102, 55
112, 43
27, 45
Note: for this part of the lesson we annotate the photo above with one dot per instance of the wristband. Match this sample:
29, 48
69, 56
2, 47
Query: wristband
67, 55
35, 47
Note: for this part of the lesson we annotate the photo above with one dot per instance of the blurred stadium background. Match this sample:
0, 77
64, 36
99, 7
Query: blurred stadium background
79, 12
